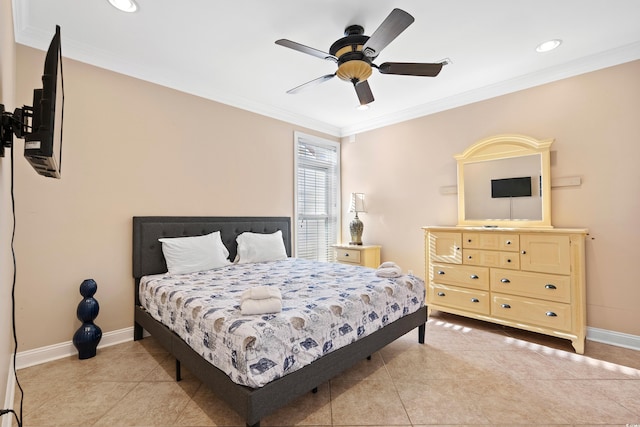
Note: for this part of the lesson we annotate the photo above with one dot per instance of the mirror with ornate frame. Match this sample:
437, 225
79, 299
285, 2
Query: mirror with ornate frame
491, 175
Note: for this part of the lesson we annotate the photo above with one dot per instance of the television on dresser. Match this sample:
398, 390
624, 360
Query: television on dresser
40, 124
511, 187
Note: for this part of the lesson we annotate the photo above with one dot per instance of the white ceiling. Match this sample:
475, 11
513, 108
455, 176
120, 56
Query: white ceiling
225, 50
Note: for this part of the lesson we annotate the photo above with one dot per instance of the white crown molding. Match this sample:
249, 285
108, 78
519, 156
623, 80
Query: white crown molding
583, 65
588, 64
80, 52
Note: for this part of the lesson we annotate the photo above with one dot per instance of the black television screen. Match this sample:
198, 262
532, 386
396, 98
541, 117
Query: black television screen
511, 187
46, 124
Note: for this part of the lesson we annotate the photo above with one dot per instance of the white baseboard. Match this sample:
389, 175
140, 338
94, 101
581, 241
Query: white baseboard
614, 338
24, 359
40, 355
7, 419
37, 356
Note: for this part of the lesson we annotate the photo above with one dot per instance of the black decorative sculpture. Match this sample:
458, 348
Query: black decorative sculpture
88, 336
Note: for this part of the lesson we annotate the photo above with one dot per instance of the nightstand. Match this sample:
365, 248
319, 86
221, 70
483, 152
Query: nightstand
364, 255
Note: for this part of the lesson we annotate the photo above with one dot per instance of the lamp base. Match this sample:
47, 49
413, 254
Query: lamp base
355, 228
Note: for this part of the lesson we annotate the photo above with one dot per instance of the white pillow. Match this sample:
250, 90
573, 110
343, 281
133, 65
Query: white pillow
257, 247
191, 254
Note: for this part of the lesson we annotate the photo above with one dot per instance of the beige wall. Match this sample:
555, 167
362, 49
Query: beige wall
7, 78
130, 148
134, 148
595, 120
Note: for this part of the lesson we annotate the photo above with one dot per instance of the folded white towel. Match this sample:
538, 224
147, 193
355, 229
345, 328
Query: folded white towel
389, 269
388, 272
260, 306
261, 292
388, 264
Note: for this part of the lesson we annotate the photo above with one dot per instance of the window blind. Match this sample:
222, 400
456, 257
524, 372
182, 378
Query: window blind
317, 197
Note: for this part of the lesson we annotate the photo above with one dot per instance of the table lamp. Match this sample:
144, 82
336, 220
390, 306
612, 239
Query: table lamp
355, 226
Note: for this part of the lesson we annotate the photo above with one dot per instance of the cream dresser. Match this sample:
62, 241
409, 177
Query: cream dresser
526, 278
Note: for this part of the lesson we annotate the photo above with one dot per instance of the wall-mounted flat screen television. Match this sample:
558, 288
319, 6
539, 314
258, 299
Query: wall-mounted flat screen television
511, 187
45, 138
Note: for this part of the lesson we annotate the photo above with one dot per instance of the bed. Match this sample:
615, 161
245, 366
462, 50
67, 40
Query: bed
251, 402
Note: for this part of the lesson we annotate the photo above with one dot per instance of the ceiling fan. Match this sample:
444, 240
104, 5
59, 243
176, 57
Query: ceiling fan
355, 52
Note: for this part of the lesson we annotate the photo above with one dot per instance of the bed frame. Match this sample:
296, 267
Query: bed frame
251, 404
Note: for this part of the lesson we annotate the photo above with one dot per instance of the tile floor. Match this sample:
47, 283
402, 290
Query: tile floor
467, 373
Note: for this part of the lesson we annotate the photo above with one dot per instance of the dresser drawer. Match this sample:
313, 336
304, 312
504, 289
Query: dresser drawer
444, 247
461, 275
363, 255
547, 314
491, 258
550, 287
348, 255
492, 241
461, 298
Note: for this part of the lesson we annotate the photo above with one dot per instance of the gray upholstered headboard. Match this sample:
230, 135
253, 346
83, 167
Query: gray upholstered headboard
147, 250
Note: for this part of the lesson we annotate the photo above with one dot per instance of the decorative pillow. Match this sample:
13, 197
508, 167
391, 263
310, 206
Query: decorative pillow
256, 247
191, 254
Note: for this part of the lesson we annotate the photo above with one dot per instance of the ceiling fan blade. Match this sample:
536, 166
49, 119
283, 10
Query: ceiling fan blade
306, 49
394, 24
312, 83
411, 69
363, 90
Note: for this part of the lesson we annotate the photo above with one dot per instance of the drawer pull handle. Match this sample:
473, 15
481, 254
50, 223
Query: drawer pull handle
475, 300
523, 252
440, 272
457, 248
469, 257
508, 242
441, 294
551, 314
346, 254
469, 240
505, 306
505, 280
474, 276
508, 259
550, 286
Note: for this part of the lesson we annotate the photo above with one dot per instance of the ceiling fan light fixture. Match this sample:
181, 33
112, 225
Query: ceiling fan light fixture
354, 70
548, 45
124, 5
355, 52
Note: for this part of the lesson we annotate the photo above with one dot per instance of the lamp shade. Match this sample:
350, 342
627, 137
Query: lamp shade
357, 203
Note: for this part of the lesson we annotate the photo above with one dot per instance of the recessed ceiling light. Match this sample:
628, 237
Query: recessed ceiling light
548, 45
124, 5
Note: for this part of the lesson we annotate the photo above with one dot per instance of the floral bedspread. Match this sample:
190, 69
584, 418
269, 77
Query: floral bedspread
325, 306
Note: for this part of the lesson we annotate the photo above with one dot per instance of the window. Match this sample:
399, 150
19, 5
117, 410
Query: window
317, 204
